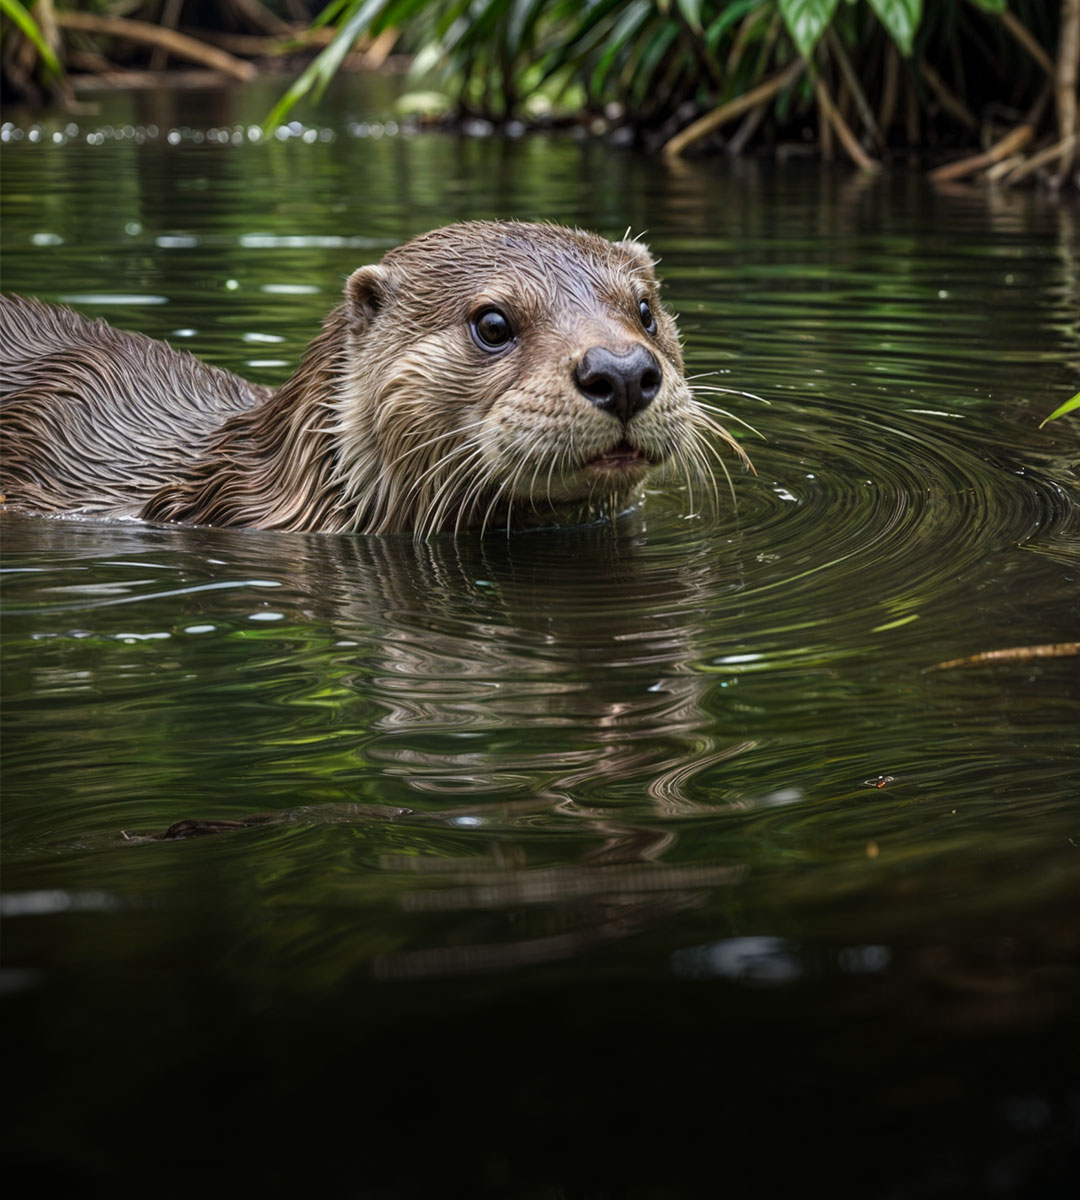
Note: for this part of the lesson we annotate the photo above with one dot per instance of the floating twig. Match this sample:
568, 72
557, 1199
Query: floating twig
1014, 654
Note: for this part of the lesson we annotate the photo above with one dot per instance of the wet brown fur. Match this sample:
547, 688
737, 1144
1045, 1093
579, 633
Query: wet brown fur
395, 420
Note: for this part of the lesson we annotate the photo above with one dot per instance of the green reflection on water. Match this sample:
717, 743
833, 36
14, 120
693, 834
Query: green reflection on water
647, 752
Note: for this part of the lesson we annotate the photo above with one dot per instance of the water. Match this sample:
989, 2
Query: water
656, 860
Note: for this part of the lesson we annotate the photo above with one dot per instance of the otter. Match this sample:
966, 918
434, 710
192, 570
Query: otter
483, 371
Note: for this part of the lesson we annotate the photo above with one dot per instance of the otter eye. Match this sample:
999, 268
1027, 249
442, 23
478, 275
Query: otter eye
491, 329
647, 318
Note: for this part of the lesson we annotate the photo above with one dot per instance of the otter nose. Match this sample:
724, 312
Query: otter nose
621, 384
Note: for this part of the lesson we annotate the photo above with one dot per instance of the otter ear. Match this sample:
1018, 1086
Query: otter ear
366, 291
638, 252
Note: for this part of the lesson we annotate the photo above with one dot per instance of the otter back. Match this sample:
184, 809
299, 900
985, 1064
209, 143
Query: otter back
96, 419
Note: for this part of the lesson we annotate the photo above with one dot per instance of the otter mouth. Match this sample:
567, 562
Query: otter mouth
619, 459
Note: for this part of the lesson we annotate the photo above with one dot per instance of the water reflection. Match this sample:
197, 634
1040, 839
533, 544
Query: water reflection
667, 729
668, 830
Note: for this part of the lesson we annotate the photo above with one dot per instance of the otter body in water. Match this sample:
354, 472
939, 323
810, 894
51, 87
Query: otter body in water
483, 370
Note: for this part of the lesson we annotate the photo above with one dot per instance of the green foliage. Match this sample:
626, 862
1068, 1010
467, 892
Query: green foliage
1069, 406
26, 24
901, 18
806, 21
361, 17
652, 56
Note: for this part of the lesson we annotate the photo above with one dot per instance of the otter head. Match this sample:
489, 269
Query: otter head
500, 368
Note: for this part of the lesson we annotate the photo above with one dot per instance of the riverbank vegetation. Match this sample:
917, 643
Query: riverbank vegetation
960, 87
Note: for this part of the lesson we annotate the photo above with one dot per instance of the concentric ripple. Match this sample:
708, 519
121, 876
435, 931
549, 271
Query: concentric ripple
515, 751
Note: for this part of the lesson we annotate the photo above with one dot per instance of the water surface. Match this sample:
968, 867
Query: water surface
606, 861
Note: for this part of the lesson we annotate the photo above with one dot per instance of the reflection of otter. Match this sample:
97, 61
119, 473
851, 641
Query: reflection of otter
485, 371
489, 693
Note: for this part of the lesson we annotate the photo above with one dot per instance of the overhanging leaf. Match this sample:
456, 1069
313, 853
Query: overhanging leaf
691, 10
319, 72
901, 18
732, 13
806, 21
29, 28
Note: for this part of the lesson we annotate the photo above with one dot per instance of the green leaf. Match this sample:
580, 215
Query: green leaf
29, 27
320, 71
991, 6
633, 17
806, 21
523, 17
727, 18
330, 13
901, 18
1068, 407
691, 10
651, 57
397, 12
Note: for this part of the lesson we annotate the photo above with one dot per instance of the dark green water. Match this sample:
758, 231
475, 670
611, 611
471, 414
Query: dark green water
584, 885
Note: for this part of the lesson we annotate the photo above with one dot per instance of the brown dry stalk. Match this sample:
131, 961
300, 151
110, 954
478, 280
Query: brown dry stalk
889, 90
257, 16
1016, 139
848, 140
742, 38
746, 130
703, 126
1065, 79
170, 16
177, 44
912, 124
866, 113
1003, 168
1063, 150
379, 50
949, 100
1014, 654
825, 129
1027, 39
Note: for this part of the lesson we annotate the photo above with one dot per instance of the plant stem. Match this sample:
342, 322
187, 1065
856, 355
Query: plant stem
1016, 139
703, 126
1065, 81
1026, 39
866, 113
1063, 150
178, 44
849, 141
949, 100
